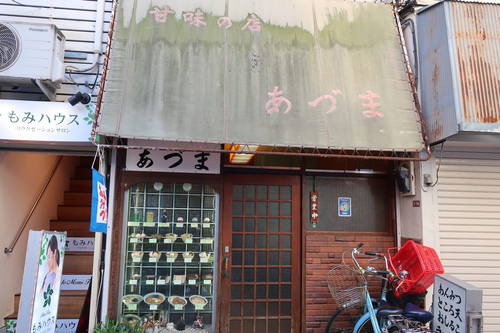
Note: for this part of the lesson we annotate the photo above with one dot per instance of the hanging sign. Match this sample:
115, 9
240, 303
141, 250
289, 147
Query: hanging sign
313, 199
41, 282
99, 212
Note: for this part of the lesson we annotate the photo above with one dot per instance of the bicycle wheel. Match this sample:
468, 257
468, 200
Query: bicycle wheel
366, 327
329, 326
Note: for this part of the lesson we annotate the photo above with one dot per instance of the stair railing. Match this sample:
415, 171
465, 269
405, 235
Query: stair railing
35, 204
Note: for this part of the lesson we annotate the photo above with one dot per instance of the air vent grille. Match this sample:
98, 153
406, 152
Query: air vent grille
9, 47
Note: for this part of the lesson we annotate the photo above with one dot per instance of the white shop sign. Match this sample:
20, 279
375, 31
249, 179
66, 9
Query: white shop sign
145, 158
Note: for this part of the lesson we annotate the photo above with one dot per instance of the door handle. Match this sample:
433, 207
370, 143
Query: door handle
225, 271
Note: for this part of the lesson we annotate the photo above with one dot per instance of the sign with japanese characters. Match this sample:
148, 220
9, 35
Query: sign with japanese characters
147, 159
314, 201
99, 211
30, 121
300, 73
457, 306
41, 282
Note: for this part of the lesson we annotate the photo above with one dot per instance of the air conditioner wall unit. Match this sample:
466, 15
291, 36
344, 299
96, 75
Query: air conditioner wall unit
31, 52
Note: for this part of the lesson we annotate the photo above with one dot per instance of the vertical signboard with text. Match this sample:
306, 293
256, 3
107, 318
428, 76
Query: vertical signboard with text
41, 282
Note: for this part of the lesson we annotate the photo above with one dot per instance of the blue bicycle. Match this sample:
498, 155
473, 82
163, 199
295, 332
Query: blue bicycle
349, 288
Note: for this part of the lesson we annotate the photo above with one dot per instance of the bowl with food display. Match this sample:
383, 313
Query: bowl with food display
198, 300
171, 255
170, 237
154, 298
131, 299
137, 255
187, 238
131, 319
177, 301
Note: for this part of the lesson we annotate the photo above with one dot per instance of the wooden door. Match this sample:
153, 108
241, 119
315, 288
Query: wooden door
260, 261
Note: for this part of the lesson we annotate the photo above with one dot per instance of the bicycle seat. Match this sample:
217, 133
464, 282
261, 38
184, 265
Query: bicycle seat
415, 313
386, 310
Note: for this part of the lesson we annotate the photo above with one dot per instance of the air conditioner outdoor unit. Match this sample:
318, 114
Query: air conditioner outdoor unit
31, 53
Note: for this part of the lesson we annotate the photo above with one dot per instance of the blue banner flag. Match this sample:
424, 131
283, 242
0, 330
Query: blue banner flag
99, 213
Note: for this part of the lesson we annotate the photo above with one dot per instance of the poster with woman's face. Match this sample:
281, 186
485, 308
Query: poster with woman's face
48, 282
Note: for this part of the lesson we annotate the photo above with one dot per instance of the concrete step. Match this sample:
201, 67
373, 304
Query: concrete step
80, 185
73, 228
78, 198
78, 263
76, 213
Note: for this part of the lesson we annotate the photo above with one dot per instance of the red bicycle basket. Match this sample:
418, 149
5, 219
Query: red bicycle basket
421, 262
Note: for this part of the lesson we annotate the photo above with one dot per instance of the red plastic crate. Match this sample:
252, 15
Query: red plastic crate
421, 262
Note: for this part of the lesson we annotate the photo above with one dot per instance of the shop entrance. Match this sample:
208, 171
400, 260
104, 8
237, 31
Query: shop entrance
261, 259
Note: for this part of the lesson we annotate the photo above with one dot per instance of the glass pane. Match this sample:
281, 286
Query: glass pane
285, 325
261, 258
286, 275
249, 277
237, 241
249, 208
274, 241
209, 202
274, 274
261, 274
286, 308
237, 207
262, 208
274, 208
238, 192
274, 225
235, 309
262, 225
261, 309
195, 202
273, 292
249, 258
286, 225
237, 224
273, 309
181, 201
248, 309
274, 258
249, 224
247, 326
286, 241
286, 291
235, 292
236, 260
262, 192
261, 291
250, 192
286, 208
167, 201
235, 325
248, 292
273, 325
286, 193
260, 325
235, 274
249, 241
261, 241
274, 192
286, 258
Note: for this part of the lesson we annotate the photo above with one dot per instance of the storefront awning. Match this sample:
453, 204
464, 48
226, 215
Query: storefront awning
322, 74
